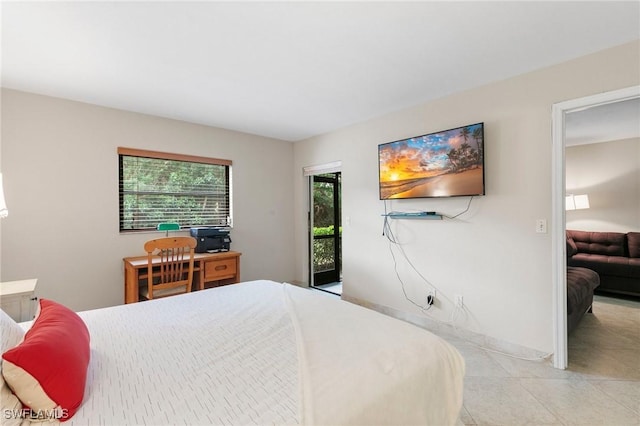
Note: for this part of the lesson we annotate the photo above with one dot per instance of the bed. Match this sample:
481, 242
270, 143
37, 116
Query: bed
262, 352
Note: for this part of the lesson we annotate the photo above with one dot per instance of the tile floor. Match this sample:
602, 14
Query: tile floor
600, 387
335, 288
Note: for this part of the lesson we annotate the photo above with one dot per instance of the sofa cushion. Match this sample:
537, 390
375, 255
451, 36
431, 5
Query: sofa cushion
616, 266
605, 243
635, 262
633, 241
580, 285
571, 247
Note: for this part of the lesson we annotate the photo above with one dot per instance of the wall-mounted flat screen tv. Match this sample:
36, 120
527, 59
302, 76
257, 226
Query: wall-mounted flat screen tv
449, 163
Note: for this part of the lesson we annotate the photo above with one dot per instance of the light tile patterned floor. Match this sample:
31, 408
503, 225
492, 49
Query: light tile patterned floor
335, 288
600, 387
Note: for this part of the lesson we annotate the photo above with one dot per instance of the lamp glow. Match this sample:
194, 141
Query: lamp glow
569, 202
577, 202
582, 201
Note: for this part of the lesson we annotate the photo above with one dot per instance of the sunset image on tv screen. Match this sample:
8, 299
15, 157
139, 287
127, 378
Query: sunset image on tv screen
443, 164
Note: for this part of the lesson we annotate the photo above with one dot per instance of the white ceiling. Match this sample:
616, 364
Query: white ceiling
604, 123
295, 69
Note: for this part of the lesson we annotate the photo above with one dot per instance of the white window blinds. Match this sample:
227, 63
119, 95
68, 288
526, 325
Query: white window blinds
160, 187
321, 169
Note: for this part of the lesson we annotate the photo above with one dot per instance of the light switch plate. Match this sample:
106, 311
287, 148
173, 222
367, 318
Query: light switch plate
541, 226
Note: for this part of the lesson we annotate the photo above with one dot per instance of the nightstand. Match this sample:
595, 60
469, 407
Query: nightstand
18, 300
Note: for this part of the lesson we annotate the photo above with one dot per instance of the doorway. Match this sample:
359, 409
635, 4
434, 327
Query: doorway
559, 112
326, 232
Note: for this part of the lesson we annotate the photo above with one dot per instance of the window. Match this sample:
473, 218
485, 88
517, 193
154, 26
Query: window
160, 187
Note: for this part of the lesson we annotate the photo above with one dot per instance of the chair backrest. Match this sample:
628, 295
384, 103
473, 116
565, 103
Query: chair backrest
170, 265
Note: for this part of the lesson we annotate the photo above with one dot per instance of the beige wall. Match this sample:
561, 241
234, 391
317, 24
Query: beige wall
60, 167
53, 150
491, 255
609, 172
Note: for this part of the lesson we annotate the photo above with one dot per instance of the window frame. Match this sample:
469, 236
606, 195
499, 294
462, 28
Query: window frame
134, 152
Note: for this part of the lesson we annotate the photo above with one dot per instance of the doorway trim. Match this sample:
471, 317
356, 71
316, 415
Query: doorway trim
308, 172
319, 278
558, 214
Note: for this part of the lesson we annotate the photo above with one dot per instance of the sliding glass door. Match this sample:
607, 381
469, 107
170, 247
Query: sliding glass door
326, 233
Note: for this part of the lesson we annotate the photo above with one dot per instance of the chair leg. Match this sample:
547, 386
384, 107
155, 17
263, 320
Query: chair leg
590, 309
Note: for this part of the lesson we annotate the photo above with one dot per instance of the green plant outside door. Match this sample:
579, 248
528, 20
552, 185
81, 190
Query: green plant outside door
327, 229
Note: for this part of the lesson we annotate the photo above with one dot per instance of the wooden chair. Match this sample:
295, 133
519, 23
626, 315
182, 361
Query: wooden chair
170, 267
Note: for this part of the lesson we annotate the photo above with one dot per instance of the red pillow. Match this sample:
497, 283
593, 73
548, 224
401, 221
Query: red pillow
48, 370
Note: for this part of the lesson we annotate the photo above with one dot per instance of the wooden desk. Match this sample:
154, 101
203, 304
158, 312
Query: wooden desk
209, 270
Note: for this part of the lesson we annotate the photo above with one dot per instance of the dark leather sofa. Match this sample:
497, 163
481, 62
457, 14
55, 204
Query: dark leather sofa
581, 282
615, 256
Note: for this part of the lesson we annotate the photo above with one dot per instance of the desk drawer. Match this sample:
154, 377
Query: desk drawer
220, 269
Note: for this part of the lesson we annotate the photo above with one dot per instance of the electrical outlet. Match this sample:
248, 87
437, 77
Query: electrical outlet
431, 298
459, 301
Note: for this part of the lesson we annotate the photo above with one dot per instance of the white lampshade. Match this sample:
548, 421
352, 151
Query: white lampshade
4, 212
582, 201
569, 202
576, 202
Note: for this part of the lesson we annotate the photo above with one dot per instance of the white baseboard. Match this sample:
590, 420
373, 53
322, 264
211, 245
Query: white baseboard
445, 330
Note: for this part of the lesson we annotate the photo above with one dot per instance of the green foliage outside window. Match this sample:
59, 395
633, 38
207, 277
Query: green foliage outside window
324, 256
323, 249
156, 190
327, 230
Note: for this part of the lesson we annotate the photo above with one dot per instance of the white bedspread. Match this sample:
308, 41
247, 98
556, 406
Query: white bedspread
264, 353
377, 370
220, 356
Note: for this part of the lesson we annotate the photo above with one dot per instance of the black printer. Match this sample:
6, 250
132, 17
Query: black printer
211, 240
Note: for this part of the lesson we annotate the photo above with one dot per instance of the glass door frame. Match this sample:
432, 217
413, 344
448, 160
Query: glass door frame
333, 275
